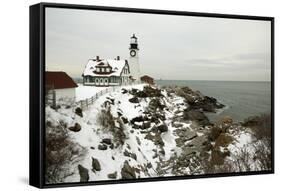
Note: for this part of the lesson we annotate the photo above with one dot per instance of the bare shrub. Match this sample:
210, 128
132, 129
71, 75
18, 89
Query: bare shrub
115, 126
214, 133
260, 125
223, 140
60, 152
262, 154
106, 119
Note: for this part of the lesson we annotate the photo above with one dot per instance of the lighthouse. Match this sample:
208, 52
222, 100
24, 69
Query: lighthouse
134, 58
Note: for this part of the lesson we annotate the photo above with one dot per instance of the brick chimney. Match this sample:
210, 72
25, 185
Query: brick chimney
97, 58
118, 58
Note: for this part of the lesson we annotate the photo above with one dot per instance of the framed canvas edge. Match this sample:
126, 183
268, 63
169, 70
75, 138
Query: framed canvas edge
37, 111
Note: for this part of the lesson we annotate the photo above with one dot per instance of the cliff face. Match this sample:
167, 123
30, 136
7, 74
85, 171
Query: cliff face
144, 131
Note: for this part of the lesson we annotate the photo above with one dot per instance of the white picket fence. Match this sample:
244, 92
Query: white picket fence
85, 104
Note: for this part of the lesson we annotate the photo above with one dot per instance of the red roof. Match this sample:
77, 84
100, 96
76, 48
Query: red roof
59, 80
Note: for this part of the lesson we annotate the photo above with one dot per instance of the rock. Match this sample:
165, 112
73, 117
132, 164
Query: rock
124, 91
145, 125
184, 135
252, 121
102, 147
137, 119
106, 141
95, 165
177, 125
154, 119
79, 112
112, 175
141, 94
75, 128
125, 120
111, 146
152, 92
128, 154
162, 151
195, 115
134, 100
138, 140
155, 104
127, 172
84, 173
149, 165
207, 146
162, 128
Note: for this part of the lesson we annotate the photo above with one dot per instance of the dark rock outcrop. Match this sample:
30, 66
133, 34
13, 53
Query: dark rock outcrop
84, 173
198, 116
162, 128
134, 100
128, 154
112, 175
95, 165
106, 141
79, 112
128, 172
75, 128
102, 147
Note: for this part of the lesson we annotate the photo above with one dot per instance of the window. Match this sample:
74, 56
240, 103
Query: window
98, 69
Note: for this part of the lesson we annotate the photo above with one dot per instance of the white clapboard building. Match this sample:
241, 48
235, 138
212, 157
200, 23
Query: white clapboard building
113, 72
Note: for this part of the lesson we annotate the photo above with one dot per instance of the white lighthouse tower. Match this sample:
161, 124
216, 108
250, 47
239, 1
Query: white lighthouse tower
134, 58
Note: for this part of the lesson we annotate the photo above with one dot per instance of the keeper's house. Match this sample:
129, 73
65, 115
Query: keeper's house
106, 72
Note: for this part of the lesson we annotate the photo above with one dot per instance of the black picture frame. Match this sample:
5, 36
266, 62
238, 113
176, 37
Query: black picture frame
37, 69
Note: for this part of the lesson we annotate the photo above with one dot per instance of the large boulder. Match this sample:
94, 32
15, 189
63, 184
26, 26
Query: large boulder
134, 100
137, 119
78, 111
198, 116
102, 147
75, 128
155, 104
95, 165
128, 172
128, 154
84, 173
106, 141
112, 175
162, 128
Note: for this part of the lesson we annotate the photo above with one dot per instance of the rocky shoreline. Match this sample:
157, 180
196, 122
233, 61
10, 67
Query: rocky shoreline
164, 132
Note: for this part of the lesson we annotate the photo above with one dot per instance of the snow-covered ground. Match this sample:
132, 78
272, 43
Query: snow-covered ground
83, 92
146, 150
92, 133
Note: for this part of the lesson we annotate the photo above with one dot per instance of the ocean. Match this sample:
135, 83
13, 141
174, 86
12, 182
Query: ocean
242, 99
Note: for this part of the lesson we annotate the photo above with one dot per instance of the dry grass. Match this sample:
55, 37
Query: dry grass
107, 121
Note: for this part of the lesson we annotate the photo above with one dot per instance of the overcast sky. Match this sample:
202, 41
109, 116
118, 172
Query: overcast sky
171, 47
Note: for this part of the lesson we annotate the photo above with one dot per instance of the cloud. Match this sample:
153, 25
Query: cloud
171, 47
